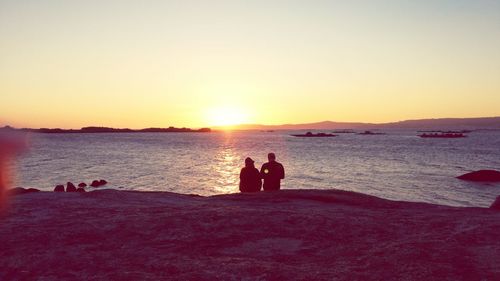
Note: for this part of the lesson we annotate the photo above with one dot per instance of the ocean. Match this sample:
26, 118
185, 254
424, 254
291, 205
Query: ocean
398, 165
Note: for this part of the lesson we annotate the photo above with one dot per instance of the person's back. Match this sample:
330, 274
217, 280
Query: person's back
250, 180
272, 172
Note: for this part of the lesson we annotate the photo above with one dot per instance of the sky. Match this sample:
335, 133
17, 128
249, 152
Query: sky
148, 63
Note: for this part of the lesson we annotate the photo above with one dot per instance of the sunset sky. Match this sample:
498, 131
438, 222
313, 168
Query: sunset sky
202, 63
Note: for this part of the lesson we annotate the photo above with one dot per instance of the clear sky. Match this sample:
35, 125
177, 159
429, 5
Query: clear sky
200, 63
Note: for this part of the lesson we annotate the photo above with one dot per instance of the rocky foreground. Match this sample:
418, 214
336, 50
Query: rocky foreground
286, 235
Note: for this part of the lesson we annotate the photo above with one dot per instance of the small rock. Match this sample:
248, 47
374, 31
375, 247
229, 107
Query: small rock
59, 188
82, 184
496, 204
482, 175
102, 182
95, 183
80, 189
20, 190
70, 187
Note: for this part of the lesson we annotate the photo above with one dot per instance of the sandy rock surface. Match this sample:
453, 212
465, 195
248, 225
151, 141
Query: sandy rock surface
286, 235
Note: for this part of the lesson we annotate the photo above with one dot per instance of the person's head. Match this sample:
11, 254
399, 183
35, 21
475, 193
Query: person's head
249, 162
271, 157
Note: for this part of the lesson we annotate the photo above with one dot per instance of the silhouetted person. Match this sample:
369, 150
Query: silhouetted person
272, 172
250, 180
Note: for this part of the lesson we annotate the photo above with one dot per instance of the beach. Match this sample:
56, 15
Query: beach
284, 235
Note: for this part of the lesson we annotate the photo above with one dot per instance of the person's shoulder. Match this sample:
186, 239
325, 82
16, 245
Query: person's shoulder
265, 164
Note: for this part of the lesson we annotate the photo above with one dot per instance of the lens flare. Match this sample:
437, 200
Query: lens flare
10, 145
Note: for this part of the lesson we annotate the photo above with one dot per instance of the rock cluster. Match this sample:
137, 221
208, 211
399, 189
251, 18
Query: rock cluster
70, 187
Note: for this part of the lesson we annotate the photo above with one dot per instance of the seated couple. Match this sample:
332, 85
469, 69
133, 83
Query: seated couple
271, 172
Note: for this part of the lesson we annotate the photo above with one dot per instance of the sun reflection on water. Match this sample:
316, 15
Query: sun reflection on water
227, 166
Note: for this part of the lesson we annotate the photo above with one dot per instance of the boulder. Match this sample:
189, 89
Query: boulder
70, 187
95, 183
20, 190
59, 188
482, 175
80, 189
98, 183
82, 184
496, 204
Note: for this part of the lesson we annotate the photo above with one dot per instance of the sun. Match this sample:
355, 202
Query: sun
226, 116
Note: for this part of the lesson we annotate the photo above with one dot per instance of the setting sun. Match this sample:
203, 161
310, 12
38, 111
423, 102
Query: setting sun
226, 116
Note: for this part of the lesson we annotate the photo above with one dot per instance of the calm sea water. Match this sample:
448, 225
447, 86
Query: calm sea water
398, 165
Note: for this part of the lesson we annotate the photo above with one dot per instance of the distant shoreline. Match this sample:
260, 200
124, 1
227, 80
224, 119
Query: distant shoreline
447, 124
88, 130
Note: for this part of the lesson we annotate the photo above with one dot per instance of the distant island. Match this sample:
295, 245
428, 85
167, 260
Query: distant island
488, 123
107, 130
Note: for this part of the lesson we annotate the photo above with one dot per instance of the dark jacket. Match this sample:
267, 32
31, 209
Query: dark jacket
272, 173
250, 180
